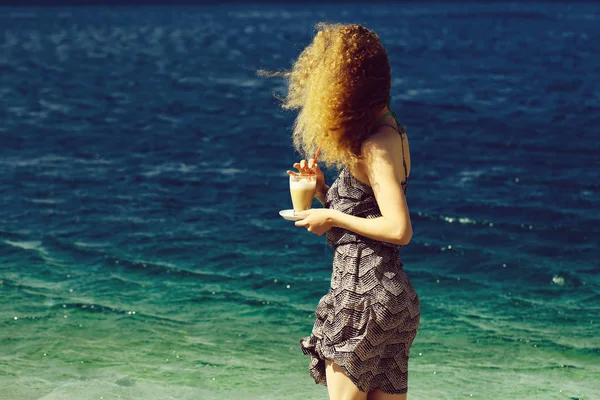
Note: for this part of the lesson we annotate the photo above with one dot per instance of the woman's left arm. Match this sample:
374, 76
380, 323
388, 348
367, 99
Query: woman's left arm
383, 165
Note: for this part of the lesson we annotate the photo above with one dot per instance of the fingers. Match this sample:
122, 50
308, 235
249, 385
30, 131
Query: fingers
305, 167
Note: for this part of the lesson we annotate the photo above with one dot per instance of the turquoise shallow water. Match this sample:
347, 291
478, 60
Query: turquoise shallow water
142, 166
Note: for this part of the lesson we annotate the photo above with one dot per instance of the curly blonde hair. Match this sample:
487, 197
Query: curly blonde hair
339, 84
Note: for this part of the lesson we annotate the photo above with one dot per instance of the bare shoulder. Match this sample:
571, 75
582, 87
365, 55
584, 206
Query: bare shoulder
381, 140
385, 142
387, 146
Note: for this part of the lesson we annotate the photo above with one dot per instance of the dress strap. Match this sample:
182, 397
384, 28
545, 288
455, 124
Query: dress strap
391, 126
400, 129
383, 117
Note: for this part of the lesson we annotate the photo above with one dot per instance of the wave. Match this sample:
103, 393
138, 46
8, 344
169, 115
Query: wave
100, 256
240, 82
45, 201
452, 219
171, 170
101, 308
524, 218
165, 269
55, 107
28, 245
92, 245
126, 281
508, 327
32, 286
555, 299
267, 302
48, 160
71, 251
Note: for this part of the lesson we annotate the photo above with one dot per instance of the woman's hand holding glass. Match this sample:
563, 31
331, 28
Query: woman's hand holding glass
310, 168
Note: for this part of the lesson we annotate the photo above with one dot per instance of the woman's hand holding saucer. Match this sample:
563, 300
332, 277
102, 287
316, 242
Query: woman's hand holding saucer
317, 220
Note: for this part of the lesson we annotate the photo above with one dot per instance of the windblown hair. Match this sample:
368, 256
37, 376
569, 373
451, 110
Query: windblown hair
339, 83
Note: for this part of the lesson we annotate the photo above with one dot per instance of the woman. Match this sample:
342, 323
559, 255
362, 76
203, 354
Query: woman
366, 323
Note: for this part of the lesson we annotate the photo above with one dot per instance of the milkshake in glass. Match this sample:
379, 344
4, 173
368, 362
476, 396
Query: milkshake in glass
302, 189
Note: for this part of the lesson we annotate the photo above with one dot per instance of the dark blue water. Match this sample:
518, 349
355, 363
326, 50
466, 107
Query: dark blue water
142, 168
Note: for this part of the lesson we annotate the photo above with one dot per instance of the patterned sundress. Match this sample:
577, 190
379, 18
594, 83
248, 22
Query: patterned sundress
369, 318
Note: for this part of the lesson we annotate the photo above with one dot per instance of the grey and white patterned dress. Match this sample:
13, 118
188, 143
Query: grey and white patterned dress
369, 318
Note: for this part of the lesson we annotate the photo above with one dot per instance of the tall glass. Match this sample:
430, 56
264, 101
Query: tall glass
302, 189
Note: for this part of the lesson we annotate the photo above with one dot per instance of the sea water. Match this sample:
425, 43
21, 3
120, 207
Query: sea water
142, 168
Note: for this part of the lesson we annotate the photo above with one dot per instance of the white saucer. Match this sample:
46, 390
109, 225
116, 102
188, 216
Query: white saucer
289, 215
